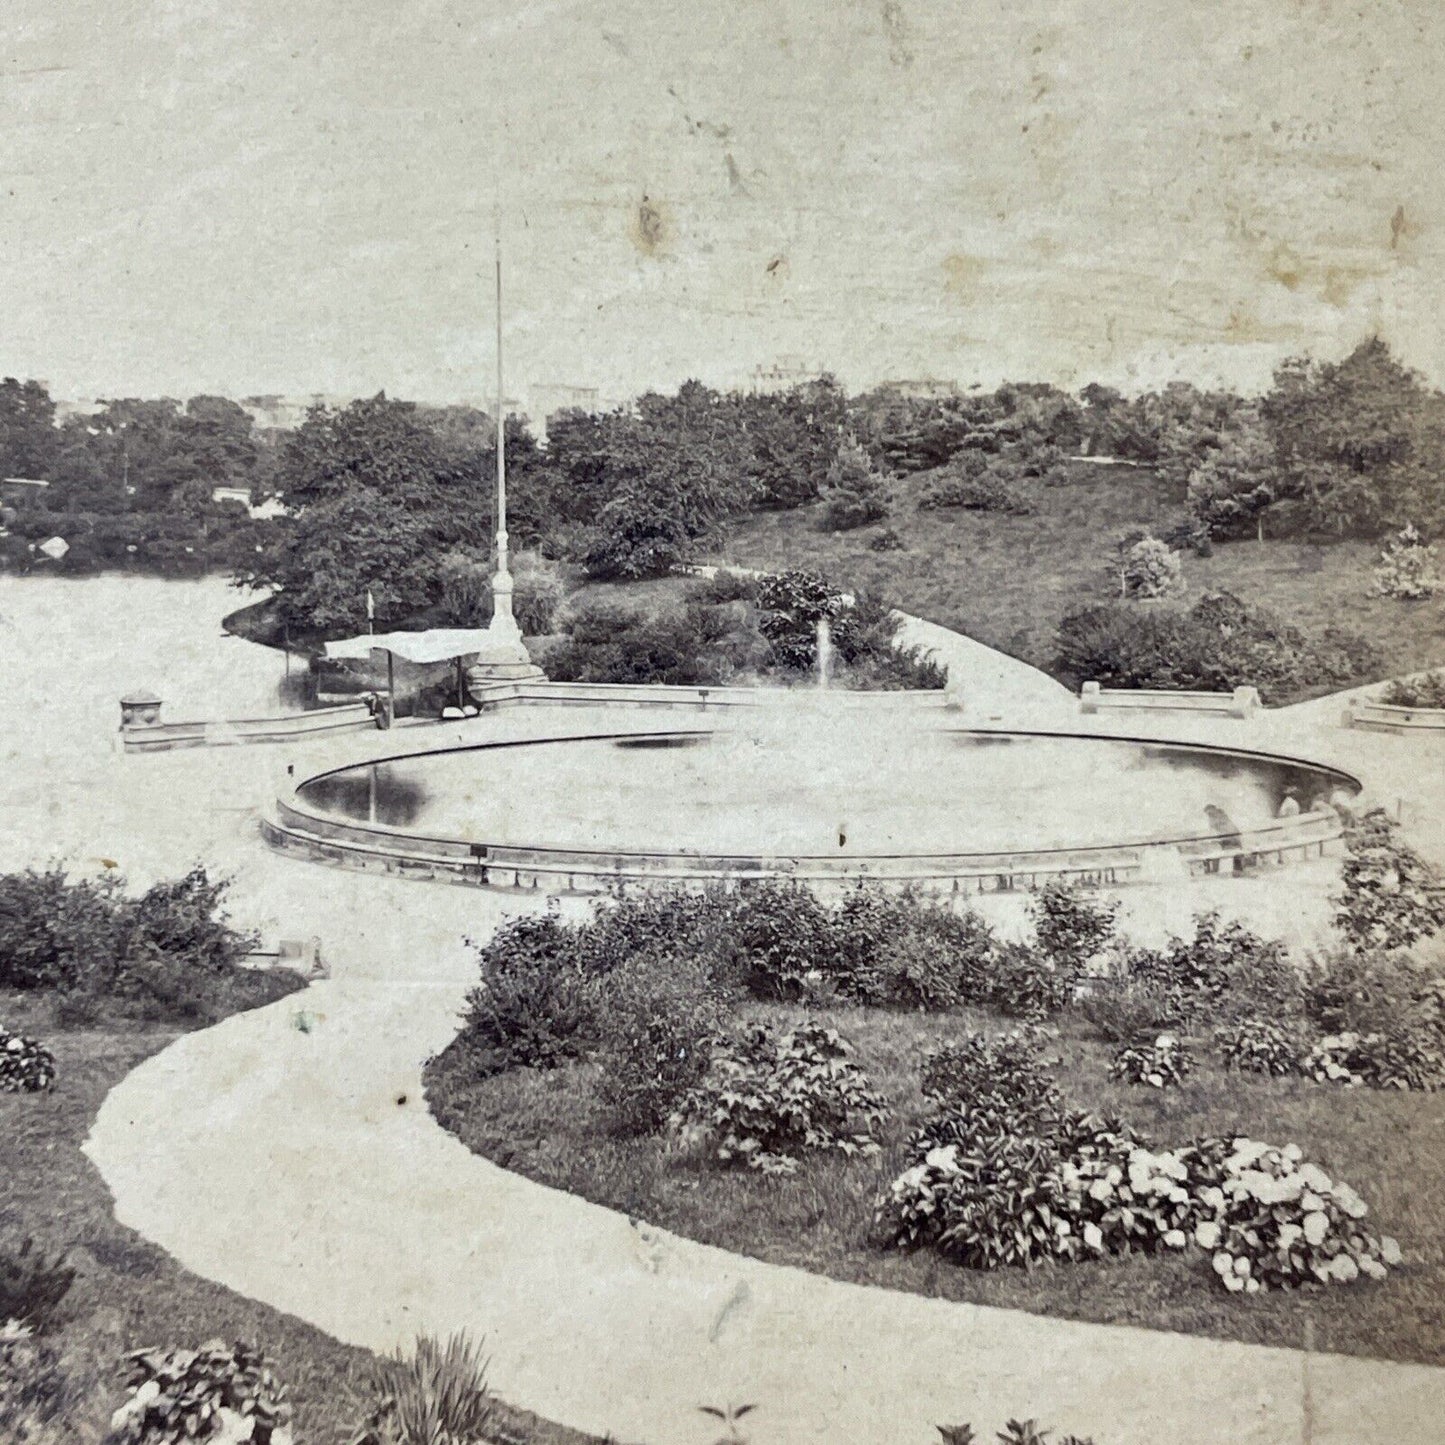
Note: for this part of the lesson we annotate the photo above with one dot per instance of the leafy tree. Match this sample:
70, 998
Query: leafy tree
1231, 483
379, 499
857, 494
27, 429
1354, 438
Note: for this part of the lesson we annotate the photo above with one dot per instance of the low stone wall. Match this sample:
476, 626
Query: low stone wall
495, 696
1241, 703
140, 736
295, 826
1364, 712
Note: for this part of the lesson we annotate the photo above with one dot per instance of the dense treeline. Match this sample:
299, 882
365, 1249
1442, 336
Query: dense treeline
132, 483
389, 496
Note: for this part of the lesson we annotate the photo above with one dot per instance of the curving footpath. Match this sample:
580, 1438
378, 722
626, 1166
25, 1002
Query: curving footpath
289, 1154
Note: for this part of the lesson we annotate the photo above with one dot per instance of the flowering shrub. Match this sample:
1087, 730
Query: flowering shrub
1082, 1188
1255, 1045
1425, 690
1406, 570
220, 1392
25, 1065
767, 1098
1382, 1061
1272, 1220
1148, 568
1390, 896
1164, 1062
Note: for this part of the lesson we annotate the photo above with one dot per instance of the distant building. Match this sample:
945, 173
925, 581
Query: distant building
547, 398
784, 374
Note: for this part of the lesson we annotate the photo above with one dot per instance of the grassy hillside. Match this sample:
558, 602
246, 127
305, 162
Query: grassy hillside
1007, 580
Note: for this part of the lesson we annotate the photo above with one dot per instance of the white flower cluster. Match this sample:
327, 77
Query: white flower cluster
1269, 1218
1164, 1062
1278, 1220
25, 1065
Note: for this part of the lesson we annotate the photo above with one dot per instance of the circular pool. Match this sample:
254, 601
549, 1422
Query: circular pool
825, 795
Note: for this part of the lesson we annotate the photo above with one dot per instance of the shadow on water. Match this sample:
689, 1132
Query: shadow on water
397, 801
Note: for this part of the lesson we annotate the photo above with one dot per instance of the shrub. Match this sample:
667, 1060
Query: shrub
990, 491
638, 534
782, 940
726, 585
52, 930
1407, 569
33, 1285
1223, 970
1161, 1064
220, 1391
898, 950
1390, 896
655, 1025
1027, 985
26, 1066
1129, 1010
1148, 569
856, 493
886, 540
1216, 645
1425, 690
767, 1098
169, 954
1072, 925
605, 642
1272, 1220
1395, 1060
1088, 1188
1371, 991
989, 1084
1259, 1046
534, 1007
437, 1396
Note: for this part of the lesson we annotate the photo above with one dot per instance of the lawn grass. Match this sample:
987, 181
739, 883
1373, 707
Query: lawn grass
1007, 580
129, 1294
549, 1126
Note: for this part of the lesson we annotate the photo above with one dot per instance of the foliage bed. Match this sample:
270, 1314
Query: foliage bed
737, 630
167, 953
1218, 644
857, 1053
1426, 690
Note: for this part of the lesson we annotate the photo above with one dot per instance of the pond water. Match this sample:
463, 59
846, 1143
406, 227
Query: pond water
801, 785
70, 646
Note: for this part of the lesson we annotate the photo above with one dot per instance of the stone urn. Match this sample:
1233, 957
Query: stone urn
140, 709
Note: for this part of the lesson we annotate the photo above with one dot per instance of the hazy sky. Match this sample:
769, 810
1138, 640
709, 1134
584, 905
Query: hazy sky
296, 195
